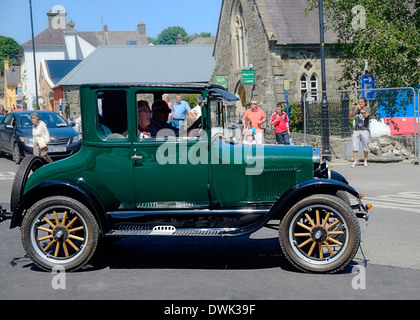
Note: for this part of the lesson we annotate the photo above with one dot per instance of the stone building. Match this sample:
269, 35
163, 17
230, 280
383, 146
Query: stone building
278, 41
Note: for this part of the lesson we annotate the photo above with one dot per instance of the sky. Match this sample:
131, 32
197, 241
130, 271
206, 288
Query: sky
195, 16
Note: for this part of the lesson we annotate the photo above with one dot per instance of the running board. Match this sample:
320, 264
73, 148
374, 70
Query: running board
135, 231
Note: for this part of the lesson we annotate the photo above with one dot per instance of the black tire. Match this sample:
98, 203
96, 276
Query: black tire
26, 168
16, 154
310, 241
59, 231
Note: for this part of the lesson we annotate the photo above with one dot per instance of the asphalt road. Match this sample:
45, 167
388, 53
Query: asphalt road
250, 268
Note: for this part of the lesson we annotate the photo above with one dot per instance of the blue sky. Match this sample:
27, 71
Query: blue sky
194, 16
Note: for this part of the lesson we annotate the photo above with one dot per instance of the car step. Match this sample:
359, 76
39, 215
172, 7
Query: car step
129, 230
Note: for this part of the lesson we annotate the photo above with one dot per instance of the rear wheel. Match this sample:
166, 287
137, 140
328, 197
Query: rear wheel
310, 239
59, 231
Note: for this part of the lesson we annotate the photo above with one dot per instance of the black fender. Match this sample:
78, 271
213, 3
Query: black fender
58, 187
295, 194
307, 188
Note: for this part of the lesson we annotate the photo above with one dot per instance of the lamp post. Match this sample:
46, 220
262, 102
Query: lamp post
33, 51
326, 152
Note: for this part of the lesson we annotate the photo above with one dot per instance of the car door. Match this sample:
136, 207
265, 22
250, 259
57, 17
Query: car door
170, 172
8, 132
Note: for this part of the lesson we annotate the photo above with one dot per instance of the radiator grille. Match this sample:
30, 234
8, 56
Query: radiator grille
273, 182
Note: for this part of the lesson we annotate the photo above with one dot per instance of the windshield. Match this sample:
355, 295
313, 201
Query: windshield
52, 120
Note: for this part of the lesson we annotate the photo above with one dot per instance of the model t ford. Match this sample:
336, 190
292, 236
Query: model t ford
194, 181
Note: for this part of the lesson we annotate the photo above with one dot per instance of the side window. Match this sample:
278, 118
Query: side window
112, 114
8, 119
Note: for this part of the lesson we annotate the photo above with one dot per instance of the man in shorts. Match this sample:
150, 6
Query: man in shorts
361, 133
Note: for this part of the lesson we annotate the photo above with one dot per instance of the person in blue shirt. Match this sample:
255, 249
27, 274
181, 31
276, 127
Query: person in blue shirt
179, 111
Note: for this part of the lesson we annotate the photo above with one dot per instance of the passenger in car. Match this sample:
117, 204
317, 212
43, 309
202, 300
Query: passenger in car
159, 121
144, 116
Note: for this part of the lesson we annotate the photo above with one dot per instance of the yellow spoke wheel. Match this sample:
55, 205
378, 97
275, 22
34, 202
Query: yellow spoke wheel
59, 231
320, 234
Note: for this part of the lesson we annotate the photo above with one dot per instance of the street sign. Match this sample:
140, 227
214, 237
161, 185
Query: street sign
286, 84
222, 80
367, 86
248, 76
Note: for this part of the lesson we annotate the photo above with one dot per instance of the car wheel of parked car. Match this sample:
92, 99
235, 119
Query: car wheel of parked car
309, 237
27, 167
16, 154
59, 231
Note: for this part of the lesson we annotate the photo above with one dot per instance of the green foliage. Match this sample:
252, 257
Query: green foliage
168, 36
9, 49
295, 117
386, 33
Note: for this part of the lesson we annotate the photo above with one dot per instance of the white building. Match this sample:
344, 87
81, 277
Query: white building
60, 41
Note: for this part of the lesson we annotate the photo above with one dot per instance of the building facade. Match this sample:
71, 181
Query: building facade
280, 44
61, 41
12, 90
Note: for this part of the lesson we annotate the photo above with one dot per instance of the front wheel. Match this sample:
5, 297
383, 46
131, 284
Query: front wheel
59, 231
309, 236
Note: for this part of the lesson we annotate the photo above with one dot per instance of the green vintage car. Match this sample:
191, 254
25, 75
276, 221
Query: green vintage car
199, 181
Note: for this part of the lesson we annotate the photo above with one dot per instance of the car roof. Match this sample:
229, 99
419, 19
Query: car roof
32, 111
154, 85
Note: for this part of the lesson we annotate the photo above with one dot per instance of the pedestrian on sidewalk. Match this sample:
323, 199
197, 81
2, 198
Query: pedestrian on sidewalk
41, 138
280, 121
361, 133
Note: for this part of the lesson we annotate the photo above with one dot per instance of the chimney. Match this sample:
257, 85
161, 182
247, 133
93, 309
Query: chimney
105, 28
179, 39
141, 29
6, 65
57, 18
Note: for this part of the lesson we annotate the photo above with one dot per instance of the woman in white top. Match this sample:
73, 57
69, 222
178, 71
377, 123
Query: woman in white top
41, 138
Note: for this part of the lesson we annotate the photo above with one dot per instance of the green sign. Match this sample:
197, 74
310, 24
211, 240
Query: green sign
248, 77
222, 80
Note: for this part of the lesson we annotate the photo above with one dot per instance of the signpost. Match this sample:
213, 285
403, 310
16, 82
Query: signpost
286, 88
248, 76
222, 80
367, 84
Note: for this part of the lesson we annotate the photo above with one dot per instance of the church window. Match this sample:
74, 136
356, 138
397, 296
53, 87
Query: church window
240, 36
309, 85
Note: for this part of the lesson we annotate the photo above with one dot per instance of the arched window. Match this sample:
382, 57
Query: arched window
240, 47
303, 86
314, 87
310, 86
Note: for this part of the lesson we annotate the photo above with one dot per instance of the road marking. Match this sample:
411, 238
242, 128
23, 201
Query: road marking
7, 175
407, 201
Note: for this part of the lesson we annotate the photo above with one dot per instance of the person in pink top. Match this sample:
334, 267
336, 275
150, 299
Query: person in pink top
257, 117
280, 121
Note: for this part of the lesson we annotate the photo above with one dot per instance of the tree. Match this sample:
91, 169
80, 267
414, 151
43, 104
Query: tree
385, 33
168, 35
9, 49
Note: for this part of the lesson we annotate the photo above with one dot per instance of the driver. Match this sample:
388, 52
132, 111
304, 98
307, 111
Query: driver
159, 121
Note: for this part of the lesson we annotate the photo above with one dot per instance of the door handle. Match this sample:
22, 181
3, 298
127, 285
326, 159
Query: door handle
136, 157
